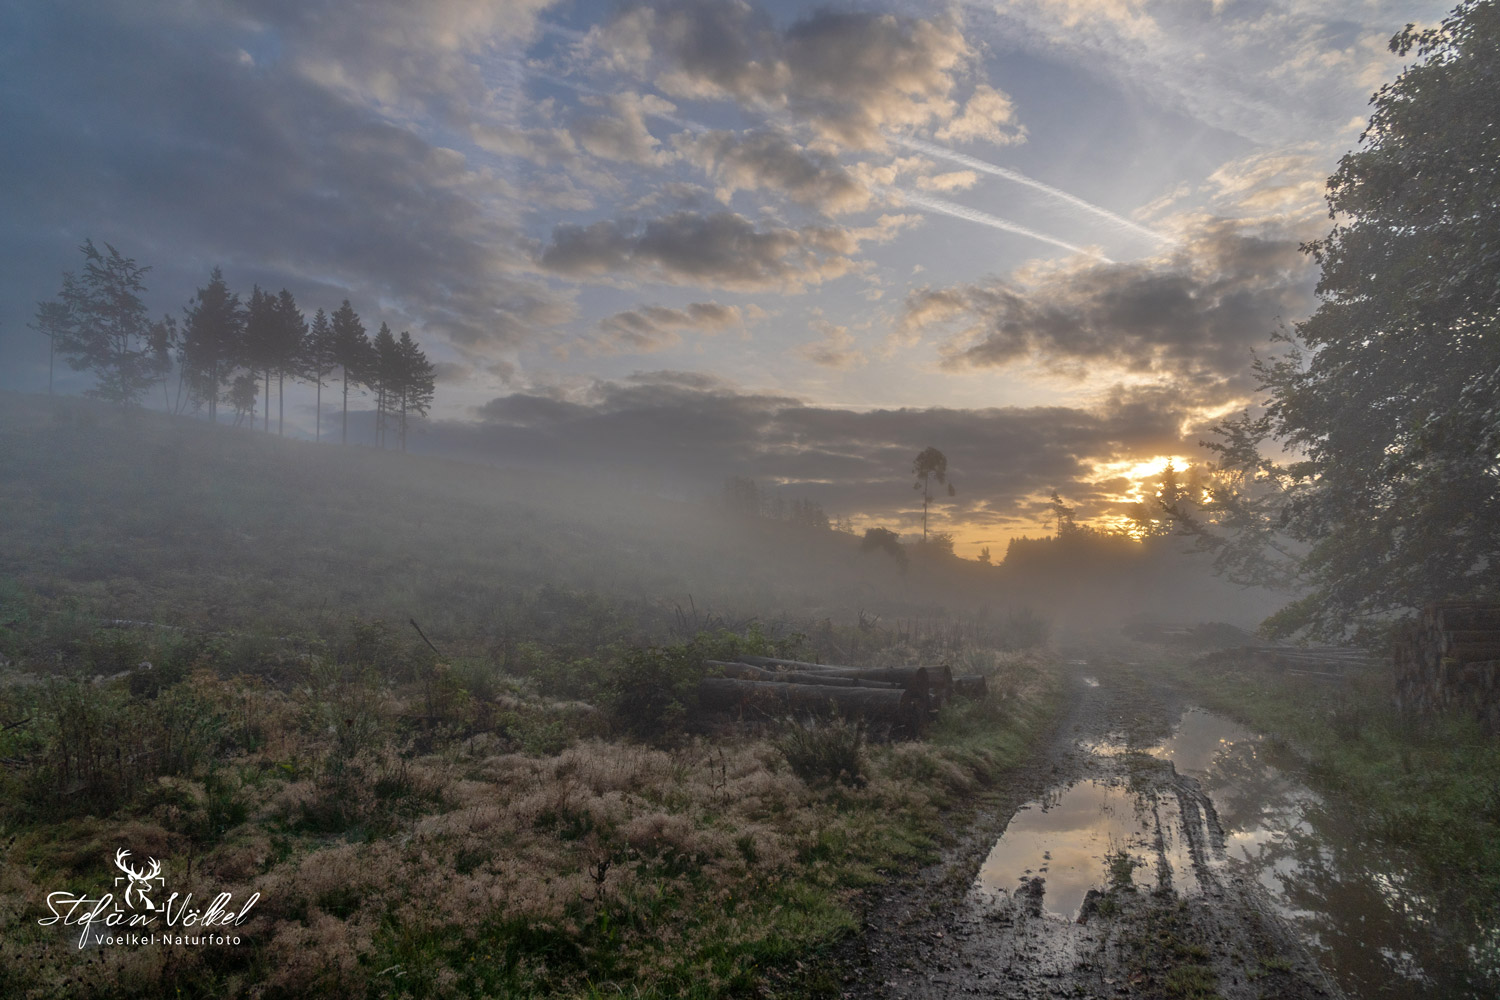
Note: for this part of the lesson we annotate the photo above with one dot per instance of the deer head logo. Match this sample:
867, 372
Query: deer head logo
140, 881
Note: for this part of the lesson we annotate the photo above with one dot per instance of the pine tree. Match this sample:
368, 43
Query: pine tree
417, 384
318, 362
259, 341
385, 378
211, 341
289, 348
351, 351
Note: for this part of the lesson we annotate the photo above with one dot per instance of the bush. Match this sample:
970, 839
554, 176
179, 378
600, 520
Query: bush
1022, 629
821, 752
651, 692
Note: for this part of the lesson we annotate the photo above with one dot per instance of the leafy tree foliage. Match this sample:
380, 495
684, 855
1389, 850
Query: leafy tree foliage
1389, 395
99, 323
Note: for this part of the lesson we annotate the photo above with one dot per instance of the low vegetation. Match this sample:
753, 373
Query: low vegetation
1428, 785
557, 822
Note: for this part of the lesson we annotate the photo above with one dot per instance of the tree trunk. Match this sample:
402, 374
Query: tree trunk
344, 433
281, 403
318, 420
266, 428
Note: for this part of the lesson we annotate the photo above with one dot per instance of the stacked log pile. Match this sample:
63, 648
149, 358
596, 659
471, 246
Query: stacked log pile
1449, 659
898, 699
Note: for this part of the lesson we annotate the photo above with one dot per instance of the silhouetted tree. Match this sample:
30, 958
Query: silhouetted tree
319, 360
351, 350
930, 466
384, 376
1389, 394
288, 351
100, 325
1064, 518
52, 320
887, 541
258, 345
210, 341
417, 384
242, 393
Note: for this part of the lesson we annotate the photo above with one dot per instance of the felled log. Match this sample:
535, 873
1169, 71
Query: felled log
935, 682
971, 686
891, 706
746, 672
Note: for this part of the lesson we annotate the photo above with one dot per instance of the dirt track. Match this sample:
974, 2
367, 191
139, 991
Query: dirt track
1183, 925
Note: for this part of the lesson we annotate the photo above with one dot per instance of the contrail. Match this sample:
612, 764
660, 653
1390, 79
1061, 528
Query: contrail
973, 163
986, 219
928, 202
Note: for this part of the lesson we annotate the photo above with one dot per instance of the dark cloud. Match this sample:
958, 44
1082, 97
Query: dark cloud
771, 160
652, 328
849, 74
246, 135
1194, 315
691, 431
718, 249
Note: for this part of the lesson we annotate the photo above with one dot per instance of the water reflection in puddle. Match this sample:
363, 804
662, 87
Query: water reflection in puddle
1354, 899
1067, 838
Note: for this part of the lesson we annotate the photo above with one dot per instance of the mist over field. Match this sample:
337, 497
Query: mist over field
698, 499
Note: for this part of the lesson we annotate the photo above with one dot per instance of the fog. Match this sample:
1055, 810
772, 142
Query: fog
137, 515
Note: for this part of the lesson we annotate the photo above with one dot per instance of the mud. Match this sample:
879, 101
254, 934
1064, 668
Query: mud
1103, 871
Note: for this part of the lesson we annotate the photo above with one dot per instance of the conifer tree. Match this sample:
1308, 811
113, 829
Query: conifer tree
319, 362
351, 351
210, 341
417, 384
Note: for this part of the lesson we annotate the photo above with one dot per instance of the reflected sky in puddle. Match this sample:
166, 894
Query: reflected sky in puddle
1067, 837
1355, 900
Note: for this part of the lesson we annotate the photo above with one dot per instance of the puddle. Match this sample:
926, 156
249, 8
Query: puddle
1358, 904
1067, 839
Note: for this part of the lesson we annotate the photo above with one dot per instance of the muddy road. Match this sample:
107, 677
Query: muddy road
1103, 872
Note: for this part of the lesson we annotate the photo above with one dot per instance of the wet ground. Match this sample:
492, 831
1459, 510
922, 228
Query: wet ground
1158, 850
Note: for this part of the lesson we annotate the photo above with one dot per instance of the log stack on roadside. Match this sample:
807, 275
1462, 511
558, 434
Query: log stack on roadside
900, 700
1449, 660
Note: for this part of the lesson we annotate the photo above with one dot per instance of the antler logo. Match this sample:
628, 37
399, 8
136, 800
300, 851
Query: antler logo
140, 881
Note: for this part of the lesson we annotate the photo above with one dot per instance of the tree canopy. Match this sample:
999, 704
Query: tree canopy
1389, 395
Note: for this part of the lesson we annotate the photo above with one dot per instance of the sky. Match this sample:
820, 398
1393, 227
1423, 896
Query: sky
678, 241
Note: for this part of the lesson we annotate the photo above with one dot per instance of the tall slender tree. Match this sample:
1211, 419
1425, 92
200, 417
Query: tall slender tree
385, 378
52, 321
210, 341
930, 466
259, 342
351, 350
318, 362
290, 349
417, 384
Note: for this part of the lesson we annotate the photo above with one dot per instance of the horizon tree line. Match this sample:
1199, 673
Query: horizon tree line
226, 350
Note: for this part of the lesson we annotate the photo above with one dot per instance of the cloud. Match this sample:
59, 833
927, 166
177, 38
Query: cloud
719, 249
835, 350
989, 116
1192, 314
620, 132
850, 75
691, 431
296, 168
767, 159
653, 328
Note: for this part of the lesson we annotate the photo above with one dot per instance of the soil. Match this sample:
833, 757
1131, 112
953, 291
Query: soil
1201, 931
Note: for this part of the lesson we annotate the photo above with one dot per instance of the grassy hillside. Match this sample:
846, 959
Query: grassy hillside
142, 516
534, 811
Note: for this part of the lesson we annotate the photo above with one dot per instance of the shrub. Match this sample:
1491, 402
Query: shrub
828, 751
